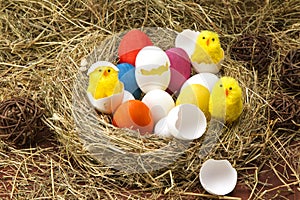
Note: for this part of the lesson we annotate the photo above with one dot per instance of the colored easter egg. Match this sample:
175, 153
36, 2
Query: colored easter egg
180, 69
152, 69
127, 76
195, 94
131, 43
135, 115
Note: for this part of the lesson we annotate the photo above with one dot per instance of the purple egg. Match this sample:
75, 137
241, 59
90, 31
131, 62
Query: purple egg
180, 69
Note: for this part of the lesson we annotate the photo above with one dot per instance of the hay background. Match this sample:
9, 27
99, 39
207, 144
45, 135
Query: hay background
42, 44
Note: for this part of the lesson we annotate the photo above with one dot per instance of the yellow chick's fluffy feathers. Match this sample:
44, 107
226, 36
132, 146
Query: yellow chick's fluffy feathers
225, 101
104, 82
208, 48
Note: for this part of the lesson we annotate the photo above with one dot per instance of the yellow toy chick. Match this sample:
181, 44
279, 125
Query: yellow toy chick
208, 48
103, 80
226, 100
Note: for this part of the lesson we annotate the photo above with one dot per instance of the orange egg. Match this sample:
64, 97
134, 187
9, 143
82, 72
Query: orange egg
135, 115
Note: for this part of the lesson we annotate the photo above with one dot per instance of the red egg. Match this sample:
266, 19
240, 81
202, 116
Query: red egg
180, 68
131, 44
135, 115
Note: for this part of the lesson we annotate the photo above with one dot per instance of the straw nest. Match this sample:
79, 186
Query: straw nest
80, 155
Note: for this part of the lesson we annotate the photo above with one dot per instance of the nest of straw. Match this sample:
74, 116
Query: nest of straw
42, 47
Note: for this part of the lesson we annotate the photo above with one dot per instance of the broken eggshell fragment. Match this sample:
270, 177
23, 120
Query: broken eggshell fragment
218, 177
186, 122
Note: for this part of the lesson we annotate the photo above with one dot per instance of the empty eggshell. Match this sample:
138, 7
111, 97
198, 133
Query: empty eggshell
134, 114
108, 104
180, 68
186, 122
161, 128
218, 177
159, 102
127, 76
131, 43
206, 79
152, 69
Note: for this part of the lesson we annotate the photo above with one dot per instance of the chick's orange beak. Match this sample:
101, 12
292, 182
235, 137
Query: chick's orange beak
207, 42
105, 73
226, 92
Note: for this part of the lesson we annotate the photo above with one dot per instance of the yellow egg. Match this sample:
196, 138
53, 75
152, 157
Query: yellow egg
195, 94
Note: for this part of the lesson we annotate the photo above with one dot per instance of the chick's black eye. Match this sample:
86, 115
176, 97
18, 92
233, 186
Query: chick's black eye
100, 70
230, 88
203, 38
221, 85
213, 39
108, 70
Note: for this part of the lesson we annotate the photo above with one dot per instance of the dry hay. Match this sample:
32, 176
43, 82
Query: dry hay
42, 46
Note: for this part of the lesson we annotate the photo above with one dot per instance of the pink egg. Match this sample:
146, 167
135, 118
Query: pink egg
180, 69
130, 45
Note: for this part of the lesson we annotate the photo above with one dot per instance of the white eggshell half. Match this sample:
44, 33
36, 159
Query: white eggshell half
186, 122
218, 177
148, 62
206, 79
127, 96
159, 102
211, 68
101, 64
108, 104
161, 128
187, 40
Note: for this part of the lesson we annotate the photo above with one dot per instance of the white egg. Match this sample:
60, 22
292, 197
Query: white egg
208, 80
218, 177
186, 122
152, 69
108, 104
159, 102
127, 96
161, 128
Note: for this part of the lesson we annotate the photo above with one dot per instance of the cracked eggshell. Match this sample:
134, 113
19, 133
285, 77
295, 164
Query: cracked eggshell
218, 177
152, 69
206, 79
186, 122
107, 105
187, 41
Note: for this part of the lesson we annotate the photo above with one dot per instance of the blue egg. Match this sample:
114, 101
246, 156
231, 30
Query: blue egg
123, 68
127, 76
